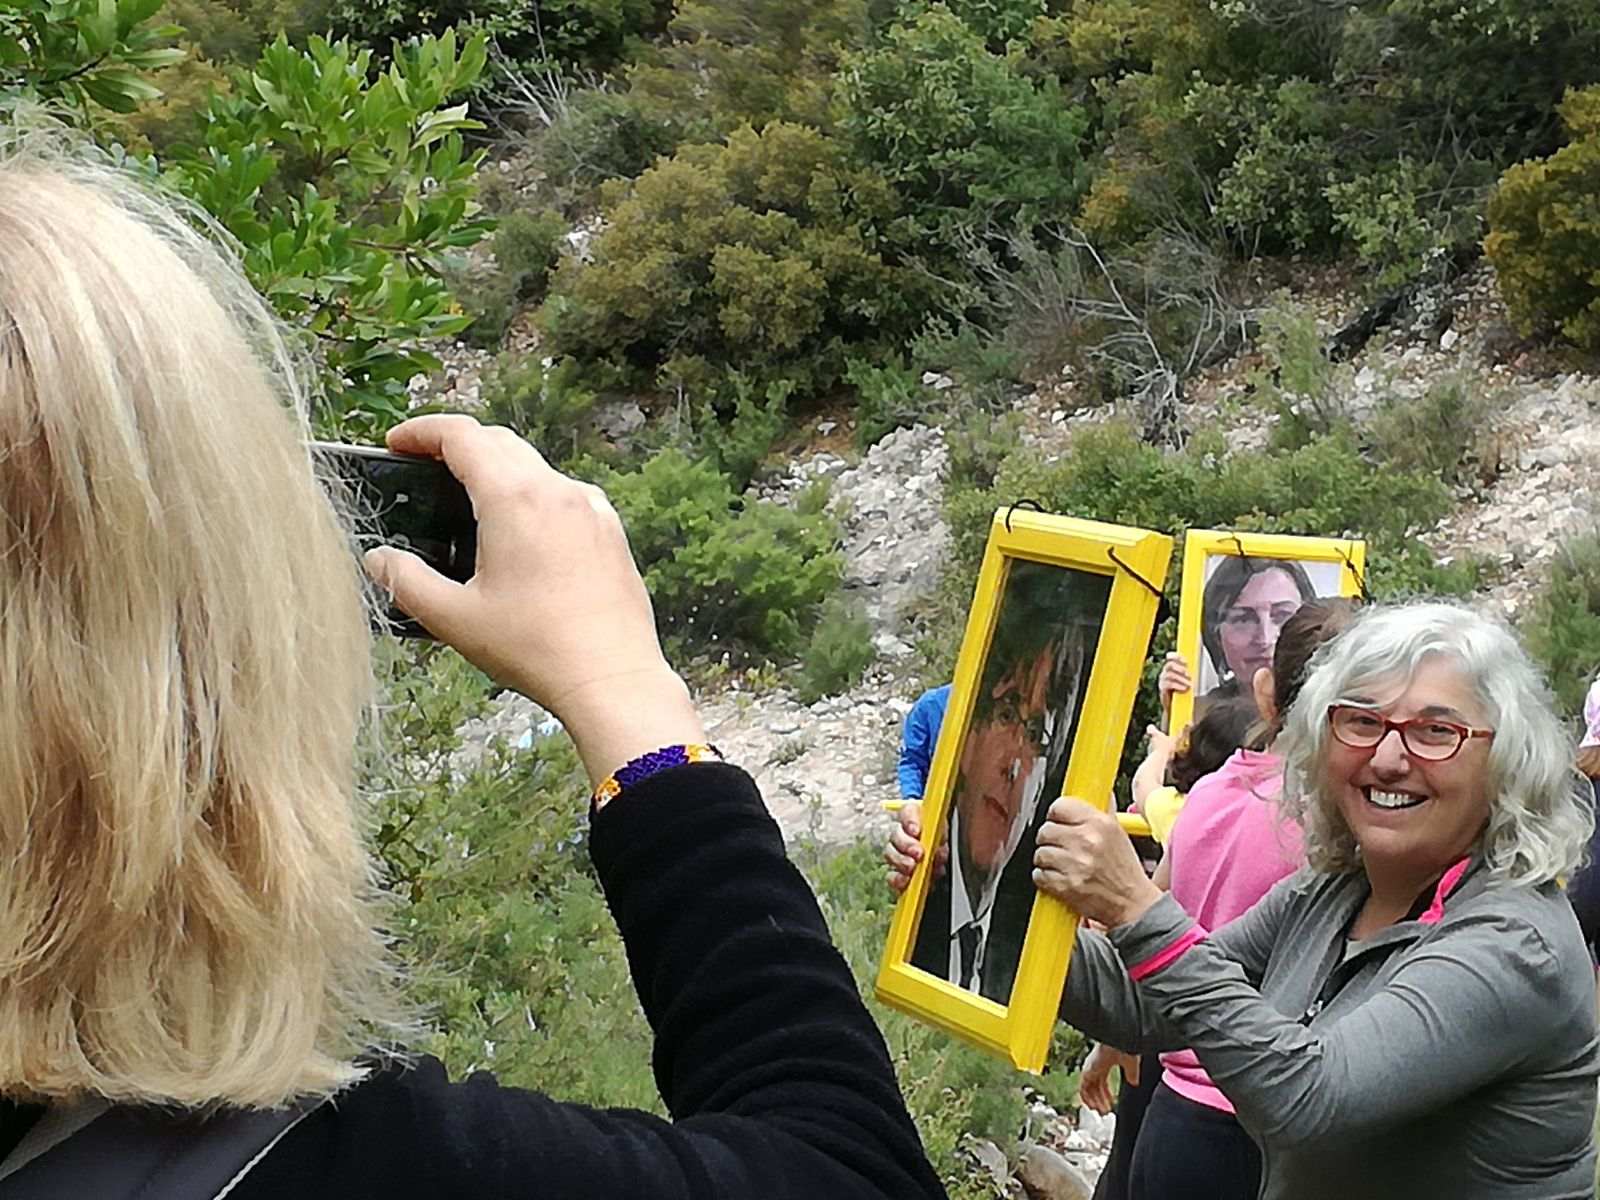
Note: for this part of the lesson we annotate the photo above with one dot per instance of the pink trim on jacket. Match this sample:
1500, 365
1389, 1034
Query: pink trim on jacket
1447, 884
1162, 959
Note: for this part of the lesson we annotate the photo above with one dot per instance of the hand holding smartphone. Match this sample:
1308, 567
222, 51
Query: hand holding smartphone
409, 502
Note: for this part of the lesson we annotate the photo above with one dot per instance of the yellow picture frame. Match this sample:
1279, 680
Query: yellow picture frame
1085, 707
1317, 566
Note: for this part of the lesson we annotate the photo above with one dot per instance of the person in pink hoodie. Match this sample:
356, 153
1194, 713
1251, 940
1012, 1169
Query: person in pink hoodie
1226, 850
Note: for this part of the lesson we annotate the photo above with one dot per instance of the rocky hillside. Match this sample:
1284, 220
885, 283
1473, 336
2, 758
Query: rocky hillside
828, 767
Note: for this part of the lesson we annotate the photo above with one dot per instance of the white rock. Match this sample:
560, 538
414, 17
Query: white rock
1449, 338
889, 646
1095, 1127
992, 1159
1046, 1175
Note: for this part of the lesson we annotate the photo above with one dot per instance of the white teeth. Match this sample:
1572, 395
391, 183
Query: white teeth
1394, 799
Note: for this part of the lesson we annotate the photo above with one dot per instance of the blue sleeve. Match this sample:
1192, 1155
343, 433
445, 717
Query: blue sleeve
917, 743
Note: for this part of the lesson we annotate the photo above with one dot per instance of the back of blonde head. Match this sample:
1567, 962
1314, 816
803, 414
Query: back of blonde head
184, 908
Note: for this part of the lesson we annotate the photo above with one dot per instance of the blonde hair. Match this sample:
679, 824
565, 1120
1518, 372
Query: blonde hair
186, 905
1540, 812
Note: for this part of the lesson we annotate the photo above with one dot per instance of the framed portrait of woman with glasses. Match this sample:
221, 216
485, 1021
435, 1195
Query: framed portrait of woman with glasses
1238, 590
1043, 691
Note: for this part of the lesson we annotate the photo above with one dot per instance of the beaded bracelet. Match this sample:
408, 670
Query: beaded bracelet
647, 765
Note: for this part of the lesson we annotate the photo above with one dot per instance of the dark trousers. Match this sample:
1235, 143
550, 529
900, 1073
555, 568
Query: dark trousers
1131, 1103
1187, 1151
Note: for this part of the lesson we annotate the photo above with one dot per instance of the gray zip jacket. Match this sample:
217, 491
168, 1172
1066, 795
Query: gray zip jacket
1451, 1056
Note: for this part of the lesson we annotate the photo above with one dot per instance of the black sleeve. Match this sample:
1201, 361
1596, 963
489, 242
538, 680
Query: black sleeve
779, 1083
1583, 890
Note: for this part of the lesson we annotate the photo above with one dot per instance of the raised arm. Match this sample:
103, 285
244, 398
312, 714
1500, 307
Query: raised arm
780, 1084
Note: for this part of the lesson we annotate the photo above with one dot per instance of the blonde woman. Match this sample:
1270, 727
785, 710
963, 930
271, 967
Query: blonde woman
188, 934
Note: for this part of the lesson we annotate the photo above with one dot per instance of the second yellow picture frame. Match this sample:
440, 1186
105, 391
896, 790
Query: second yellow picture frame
1238, 589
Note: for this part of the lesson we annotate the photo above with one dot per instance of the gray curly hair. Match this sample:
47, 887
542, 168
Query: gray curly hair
1541, 811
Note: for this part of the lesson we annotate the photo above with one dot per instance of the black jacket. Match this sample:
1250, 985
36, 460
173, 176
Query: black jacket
779, 1083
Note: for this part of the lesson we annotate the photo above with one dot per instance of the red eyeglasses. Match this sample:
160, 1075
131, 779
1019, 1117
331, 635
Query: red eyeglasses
1427, 738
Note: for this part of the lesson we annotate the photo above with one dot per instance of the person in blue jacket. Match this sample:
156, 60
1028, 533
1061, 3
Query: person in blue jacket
918, 738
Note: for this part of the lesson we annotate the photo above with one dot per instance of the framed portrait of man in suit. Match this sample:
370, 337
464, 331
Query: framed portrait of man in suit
1043, 691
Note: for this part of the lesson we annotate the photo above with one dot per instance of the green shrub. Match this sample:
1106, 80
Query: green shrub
1399, 216
978, 442
1544, 231
889, 396
499, 918
1272, 196
839, 652
731, 63
1325, 488
598, 134
82, 55
740, 421
347, 192
572, 33
761, 250
964, 137
548, 405
1298, 382
980, 362
1371, 127
1562, 626
1440, 433
719, 568
1000, 23
526, 247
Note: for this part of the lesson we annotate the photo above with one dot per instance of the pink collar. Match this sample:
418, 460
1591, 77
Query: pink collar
1447, 884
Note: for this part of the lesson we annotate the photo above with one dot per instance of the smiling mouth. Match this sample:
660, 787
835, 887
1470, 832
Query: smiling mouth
1392, 801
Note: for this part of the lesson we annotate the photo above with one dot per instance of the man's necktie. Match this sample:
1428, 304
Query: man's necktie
971, 936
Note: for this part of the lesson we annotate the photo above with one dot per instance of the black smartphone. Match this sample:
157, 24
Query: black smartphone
409, 502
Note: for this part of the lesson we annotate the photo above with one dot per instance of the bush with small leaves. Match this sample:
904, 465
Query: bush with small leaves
740, 421
1562, 626
593, 34
731, 63
1443, 432
1544, 231
527, 245
889, 396
963, 135
597, 134
839, 652
499, 917
550, 405
766, 249
720, 569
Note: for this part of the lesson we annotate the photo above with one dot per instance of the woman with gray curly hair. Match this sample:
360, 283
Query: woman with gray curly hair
1413, 1012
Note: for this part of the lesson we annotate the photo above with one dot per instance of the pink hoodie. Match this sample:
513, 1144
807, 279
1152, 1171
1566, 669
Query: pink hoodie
1228, 848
